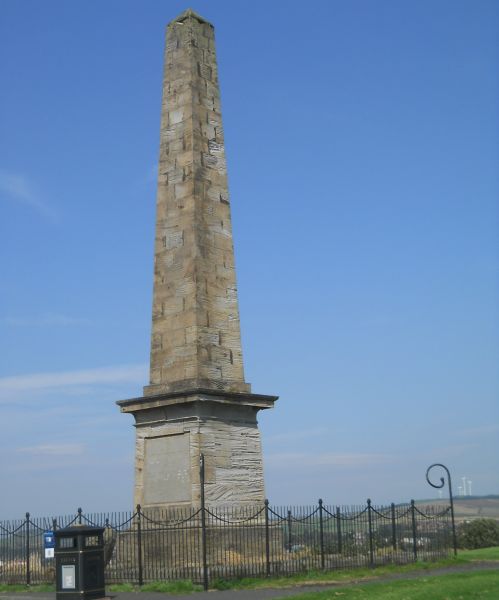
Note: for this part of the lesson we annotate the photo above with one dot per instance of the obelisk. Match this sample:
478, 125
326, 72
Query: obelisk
197, 400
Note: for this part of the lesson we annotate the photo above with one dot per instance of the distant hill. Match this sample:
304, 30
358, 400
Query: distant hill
469, 507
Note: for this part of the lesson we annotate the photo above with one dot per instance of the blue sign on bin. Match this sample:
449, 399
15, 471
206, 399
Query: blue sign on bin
49, 543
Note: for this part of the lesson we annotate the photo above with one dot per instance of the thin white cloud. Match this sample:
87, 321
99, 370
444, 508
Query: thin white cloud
46, 320
330, 459
43, 381
53, 450
17, 188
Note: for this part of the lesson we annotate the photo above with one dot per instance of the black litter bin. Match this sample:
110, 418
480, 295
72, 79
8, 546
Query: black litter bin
79, 562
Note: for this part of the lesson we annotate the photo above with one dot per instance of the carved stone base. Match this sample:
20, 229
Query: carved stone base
173, 429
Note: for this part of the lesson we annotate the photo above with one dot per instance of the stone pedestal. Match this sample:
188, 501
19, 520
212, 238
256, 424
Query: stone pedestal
172, 430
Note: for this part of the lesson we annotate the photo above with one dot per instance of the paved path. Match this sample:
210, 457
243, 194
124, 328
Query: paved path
268, 593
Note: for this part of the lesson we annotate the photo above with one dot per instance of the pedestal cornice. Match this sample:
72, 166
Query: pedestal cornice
258, 401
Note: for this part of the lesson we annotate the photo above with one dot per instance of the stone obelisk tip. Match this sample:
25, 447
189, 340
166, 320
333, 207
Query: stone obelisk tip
190, 14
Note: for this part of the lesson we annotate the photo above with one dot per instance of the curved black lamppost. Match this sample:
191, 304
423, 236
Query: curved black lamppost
451, 498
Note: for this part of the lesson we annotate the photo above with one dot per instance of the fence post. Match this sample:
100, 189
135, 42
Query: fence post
321, 533
139, 545
28, 566
267, 540
394, 528
338, 529
414, 532
289, 531
203, 522
54, 524
370, 522
79, 516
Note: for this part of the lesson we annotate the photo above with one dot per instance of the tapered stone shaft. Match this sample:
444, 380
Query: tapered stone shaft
196, 338
197, 401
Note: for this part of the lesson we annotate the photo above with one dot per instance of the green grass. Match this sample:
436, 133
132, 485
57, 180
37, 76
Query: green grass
480, 554
20, 587
464, 557
316, 577
462, 586
312, 577
172, 587
164, 587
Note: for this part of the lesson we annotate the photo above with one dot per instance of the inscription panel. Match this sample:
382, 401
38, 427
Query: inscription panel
167, 469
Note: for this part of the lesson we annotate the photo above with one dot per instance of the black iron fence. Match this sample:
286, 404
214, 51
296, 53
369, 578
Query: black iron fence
216, 543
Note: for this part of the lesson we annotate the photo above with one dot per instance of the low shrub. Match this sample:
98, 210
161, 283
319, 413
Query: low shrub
479, 533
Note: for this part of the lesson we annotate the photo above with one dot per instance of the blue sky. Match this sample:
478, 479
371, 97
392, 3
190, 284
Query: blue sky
362, 147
